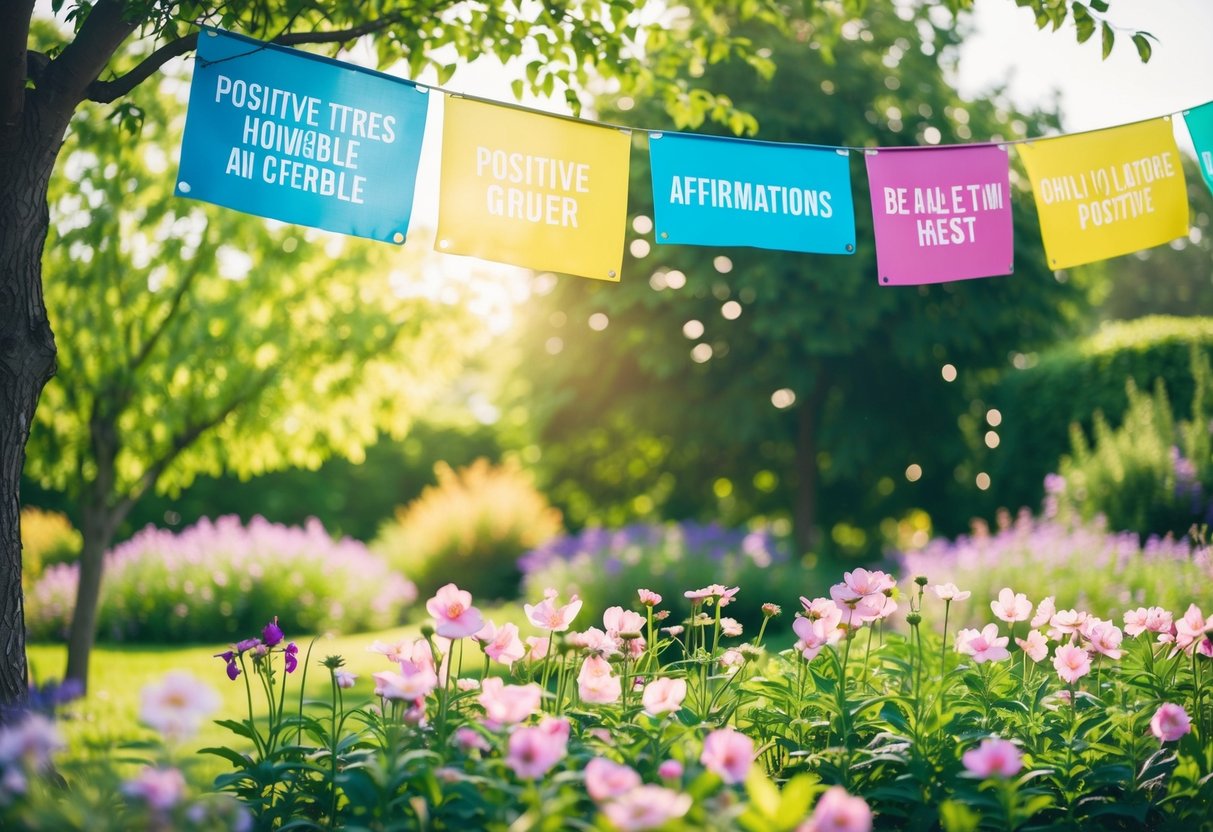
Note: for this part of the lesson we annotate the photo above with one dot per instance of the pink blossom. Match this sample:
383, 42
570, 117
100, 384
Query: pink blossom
605, 779
469, 739
723, 594
860, 608
31, 742
646, 807
414, 683
596, 683
664, 695
617, 620
1035, 645
533, 751
816, 634
729, 754
396, 652
822, 609
1044, 611
596, 641
1190, 628
1105, 638
673, 631
177, 705
731, 660
837, 811
950, 592
1072, 663
1066, 623
984, 645
537, 647
344, 678
669, 770
648, 598
467, 684
547, 615
503, 645
1170, 722
730, 627
507, 704
160, 788
454, 615
1011, 606
865, 582
994, 758
1143, 619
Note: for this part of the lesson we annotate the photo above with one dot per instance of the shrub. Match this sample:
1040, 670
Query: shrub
216, 579
1082, 565
1070, 384
47, 539
605, 566
473, 524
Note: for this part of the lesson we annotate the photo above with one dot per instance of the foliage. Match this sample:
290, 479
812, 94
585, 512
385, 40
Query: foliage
475, 522
603, 567
748, 383
696, 730
47, 539
1082, 565
216, 579
1070, 383
1150, 475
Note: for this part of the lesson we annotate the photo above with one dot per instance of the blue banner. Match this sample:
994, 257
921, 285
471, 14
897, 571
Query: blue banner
301, 138
1200, 126
729, 192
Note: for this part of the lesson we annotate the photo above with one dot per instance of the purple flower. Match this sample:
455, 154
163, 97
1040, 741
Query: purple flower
290, 657
229, 656
247, 644
272, 634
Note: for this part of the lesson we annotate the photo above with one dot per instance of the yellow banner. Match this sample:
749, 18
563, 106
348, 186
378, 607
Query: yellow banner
1107, 193
530, 190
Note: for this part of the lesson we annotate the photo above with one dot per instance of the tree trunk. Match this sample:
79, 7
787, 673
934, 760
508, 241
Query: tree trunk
27, 361
804, 508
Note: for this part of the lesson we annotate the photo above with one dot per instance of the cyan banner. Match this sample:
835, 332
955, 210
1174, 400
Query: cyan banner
730, 192
1200, 125
301, 138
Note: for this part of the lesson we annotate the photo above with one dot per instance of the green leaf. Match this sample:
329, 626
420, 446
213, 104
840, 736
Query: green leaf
234, 757
1144, 50
1109, 39
1083, 22
516, 88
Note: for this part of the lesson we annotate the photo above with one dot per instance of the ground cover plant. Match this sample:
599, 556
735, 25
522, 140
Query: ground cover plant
1043, 718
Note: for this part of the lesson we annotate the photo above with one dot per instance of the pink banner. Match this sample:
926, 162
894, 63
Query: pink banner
941, 213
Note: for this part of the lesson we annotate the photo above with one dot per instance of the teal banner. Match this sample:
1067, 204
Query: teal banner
301, 138
1200, 125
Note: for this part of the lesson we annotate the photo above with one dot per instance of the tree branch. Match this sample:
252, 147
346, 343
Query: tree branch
103, 92
82, 60
14, 38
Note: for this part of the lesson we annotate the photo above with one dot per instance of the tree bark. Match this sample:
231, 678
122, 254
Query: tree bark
27, 357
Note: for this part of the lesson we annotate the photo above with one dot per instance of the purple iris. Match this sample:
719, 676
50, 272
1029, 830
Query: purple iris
272, 634
290, 657
229, 656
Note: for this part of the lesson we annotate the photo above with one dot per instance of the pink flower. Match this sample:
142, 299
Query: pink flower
546, 615
723, 594
1044, 612
533, 751
1072, 663
412, 684
454, 615
669, 770
30, 742
994, 758
160, 788
1066, 623
469, 739
731, 660
1105, 638
729, 754
837, 811
506, 704
664, 696
648, 598
605, 779
815, 634
646, 807
950, 592
1011, 607
178, 705
344, 678
1035, 645
730, 627
864, 582
537, 647
984, 645
617, 620
1142, 619
501, 645
1190, 628
822, 609
396, 652
1170, 722
860, 607
595, 641
595, 682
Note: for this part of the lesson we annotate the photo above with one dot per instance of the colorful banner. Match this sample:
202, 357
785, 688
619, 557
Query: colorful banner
1107, 193
301, 138
709, 191
941, 213
543, 192
1200, 126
